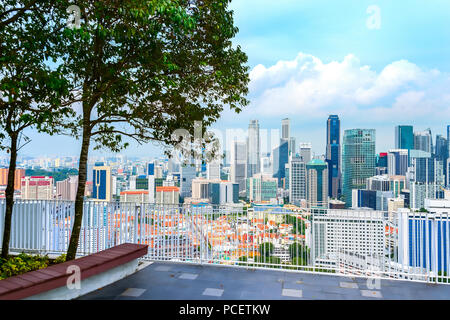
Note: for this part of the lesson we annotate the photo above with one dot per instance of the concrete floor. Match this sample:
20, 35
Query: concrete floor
171, 281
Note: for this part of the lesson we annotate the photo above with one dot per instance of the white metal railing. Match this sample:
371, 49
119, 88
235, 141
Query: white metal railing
412, 246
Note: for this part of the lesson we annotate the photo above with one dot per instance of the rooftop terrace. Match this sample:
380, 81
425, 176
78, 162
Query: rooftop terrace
176, 281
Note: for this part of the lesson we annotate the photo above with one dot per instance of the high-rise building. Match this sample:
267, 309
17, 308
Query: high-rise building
317, 183
292, 148
285, 129
341, 235
224, 192
423, 140
261, 187
305, 151
297, 180
398, 162
102, 182
213, 170
358, 159
239, 164
404, 137
253, 149
67, 189
442, 151
333, 156
188, 173
37, 188
280, 158
151, 182
18, 175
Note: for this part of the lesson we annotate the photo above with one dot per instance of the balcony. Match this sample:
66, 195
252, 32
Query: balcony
335, 249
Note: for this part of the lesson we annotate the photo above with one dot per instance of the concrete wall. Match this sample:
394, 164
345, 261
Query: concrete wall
89, 284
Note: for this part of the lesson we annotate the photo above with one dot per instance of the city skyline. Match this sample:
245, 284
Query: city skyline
373, 78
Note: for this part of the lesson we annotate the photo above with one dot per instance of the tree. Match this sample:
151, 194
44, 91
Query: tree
266, 249
299, 254
30, 90
142, 69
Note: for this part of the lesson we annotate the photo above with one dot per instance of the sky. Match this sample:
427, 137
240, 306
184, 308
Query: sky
374, 63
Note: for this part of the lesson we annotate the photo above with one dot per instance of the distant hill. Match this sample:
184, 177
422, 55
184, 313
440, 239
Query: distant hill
57, 174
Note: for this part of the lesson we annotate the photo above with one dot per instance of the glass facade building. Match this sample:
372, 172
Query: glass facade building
404, 137
358, 159
333, 156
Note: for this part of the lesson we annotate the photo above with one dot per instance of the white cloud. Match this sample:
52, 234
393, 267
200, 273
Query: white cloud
309, 87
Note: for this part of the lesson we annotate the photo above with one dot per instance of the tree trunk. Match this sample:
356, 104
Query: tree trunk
79, 200
9, 195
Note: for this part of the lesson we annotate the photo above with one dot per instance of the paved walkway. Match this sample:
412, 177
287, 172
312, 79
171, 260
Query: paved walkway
170, 281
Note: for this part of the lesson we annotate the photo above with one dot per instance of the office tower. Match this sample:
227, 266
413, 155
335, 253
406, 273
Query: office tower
317, 183
200, 188
398, 162
261, 187
253, 149
151, 181
102, 182
425, 178
266, 165
382, 160
213, 170
67, 189
292, 148
297, 180
423, 140
188, 173
305, 152
239, 164
358, 159
223, 193
378, 183
280, 158
285, 129
442, 151
18, 175
168, 195
425, 168
448, 172
285, 181
333, 156
404, 137
37, 188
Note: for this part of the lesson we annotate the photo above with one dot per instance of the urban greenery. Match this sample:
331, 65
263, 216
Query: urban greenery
22, 263
57, 174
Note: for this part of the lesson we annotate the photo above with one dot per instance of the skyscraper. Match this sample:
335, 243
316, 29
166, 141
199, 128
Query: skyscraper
358, 159
305, 151
297, 180
423, 140
239, 164
442, 151
397, 162
333, 156
253, 149
280, 158
317, 183
292, 149
404, 137
285, 129
102, 182
151, 182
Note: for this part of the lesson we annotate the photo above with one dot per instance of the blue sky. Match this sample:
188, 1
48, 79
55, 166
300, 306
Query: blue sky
311, 58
